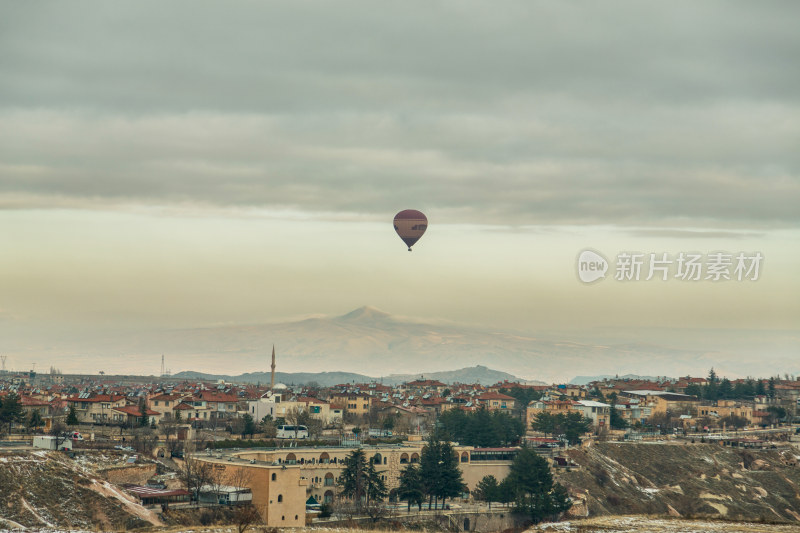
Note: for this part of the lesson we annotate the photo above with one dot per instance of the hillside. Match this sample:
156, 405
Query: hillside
476, 374
687, 480
47, 489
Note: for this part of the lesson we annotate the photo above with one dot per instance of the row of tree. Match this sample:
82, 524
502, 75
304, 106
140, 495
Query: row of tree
437, 478
569, 426
529, 486
481, 428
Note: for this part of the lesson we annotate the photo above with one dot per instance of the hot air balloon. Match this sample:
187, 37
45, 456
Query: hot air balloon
410, 225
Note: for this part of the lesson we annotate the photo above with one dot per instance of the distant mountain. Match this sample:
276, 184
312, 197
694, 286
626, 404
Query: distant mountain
583, 380
370, 342
477, 374
325, 379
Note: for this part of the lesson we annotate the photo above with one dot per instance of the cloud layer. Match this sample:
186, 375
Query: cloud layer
620, 113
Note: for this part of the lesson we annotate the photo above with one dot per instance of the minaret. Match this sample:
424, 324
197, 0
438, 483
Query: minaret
272, 380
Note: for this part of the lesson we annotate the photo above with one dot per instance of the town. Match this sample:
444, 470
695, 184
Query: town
282, 452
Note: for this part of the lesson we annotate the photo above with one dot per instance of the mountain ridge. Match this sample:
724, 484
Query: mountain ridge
476, 374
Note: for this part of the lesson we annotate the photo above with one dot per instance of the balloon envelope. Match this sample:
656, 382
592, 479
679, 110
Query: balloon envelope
410, 225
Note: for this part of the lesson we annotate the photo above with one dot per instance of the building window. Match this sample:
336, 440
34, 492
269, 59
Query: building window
280, 498
274, 477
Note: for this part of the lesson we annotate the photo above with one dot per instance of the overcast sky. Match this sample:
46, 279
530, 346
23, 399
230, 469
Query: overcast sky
174, 164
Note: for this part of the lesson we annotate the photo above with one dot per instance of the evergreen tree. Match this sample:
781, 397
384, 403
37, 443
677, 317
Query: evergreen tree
572, 425
535, 494
248, 427
481, 428
439, 470
360, 481
725, 390
72, 416
760, 389
35, 419
411, 487
11, 411
429, 467
353, 479
488, 490
771, 388
376, 487
142, 412
694, 390
615, 419
544, 422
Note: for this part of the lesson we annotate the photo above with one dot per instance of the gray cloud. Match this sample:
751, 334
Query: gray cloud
620, 113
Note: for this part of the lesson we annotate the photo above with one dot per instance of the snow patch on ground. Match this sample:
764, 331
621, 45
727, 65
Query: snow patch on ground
107, 489
38, 517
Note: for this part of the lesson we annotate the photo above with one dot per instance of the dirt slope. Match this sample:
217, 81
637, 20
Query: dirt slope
688, 480
47, 489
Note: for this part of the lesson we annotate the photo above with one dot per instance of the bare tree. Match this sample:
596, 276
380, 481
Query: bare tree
168, 427
195, 474
292, 418
245, 516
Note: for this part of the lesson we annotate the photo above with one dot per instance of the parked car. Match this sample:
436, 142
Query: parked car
177, 453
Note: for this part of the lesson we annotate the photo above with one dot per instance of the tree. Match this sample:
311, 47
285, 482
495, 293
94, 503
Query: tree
522, 397
535, 494
572, 425
360, 481
487, 490
194, 474
481, 428
411, 487
169, 427
267, 427
59, 431
249, 427
35, 420
11, 411
544, 422
312, 424
439, 470
725, 390
245, 516
775, 414
771, 388
143, 421
734, 421
615, 419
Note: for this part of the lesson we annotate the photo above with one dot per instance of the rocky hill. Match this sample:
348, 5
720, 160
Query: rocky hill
687, 480
44, 489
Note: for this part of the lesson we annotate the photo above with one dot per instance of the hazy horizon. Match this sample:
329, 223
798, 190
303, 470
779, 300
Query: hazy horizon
200, 165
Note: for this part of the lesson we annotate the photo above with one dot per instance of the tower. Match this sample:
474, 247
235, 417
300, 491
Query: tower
272, 379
